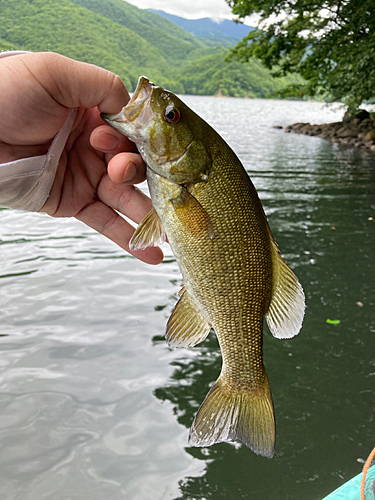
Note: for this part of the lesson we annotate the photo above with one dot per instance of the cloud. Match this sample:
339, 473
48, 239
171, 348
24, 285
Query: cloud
190, 9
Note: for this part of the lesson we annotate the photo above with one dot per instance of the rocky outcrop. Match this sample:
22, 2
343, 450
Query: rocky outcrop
356, 130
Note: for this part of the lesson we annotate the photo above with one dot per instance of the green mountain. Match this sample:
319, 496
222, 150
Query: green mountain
73, 30
224, 32
174, 42
130, 42
211, 75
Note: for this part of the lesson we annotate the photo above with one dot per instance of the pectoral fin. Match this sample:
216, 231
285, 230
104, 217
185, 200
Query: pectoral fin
285, 314
149, 233
192, 215
186, 327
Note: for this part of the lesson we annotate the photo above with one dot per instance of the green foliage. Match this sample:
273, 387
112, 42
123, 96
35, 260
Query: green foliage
211, 75
61, 26
172, 41
330, 43
4, 45
216, 41
130, 42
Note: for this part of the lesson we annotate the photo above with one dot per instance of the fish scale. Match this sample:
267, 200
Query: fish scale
206, 205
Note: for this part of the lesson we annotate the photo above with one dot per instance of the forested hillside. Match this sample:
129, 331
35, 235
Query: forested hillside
131, 42
226, 33
211, 74
75, 31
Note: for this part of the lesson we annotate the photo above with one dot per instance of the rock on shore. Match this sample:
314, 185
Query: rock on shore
356, 130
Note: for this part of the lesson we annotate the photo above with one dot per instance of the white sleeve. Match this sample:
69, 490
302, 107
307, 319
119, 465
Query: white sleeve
25, 184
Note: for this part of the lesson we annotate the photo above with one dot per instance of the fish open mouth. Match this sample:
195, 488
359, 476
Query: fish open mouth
141, 94
131, 113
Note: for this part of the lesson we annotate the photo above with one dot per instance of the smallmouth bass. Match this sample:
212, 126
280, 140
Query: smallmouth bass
206, 205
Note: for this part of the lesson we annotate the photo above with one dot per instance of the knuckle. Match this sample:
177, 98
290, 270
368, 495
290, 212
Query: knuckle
109, 225
117, 84
126, 199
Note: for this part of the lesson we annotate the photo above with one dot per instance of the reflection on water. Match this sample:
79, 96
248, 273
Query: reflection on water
94, 404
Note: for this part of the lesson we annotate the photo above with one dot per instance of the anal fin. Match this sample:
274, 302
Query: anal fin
186, 327
149, 233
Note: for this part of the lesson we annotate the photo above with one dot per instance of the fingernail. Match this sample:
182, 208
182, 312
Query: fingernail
130, 172
108, 142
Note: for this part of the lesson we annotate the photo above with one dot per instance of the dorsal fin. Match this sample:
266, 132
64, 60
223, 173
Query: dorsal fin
285, 313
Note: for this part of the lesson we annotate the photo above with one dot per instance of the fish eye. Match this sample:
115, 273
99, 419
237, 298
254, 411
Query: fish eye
171, 114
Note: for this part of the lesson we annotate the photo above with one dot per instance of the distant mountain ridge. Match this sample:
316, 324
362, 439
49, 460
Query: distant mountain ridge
207, 27
132, 42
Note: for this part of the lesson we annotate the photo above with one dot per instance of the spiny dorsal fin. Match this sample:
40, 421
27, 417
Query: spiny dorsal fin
186, 327
149, 233
228, 415
192, 215
285, 313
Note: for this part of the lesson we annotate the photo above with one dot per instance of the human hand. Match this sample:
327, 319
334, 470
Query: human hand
36, 93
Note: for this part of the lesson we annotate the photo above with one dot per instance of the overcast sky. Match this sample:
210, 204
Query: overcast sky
190, 9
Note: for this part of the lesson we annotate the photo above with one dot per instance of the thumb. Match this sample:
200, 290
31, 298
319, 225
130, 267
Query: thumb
73, 83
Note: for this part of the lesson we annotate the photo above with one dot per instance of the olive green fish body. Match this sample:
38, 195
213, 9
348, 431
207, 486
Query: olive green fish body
234, 284
207, 207
228, 279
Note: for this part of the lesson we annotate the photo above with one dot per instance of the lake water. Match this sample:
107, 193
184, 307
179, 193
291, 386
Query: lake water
94, 405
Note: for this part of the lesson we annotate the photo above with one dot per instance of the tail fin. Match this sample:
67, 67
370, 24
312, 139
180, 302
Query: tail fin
226, 415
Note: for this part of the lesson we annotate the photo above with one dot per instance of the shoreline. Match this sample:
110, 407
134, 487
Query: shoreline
354, 131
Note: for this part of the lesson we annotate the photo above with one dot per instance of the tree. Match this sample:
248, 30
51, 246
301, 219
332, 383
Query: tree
330, 43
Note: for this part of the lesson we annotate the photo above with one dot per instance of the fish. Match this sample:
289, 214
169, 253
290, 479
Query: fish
206, 207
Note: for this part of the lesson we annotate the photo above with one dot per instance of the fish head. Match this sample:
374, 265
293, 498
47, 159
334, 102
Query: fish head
166, 133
